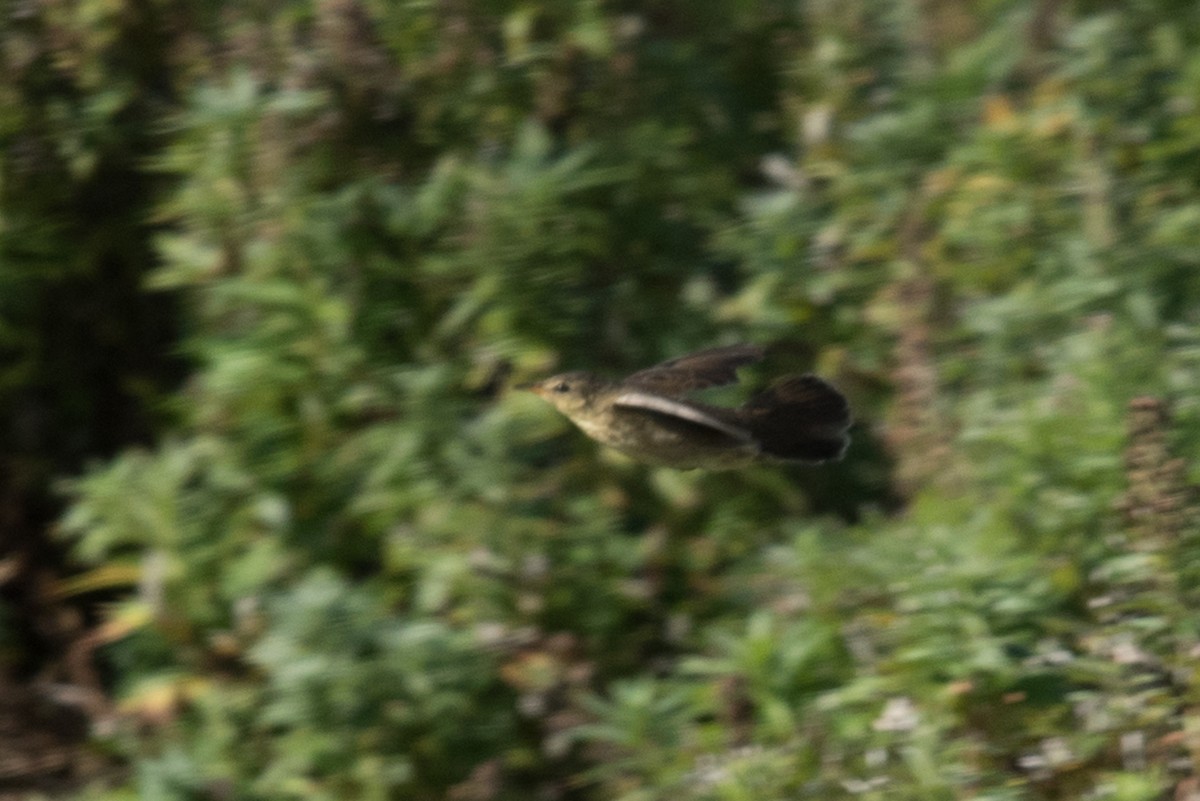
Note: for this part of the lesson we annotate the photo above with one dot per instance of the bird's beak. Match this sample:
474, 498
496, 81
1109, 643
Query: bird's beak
531, 386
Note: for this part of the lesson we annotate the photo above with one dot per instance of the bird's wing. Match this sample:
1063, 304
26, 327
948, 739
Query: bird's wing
669, 409
707, 368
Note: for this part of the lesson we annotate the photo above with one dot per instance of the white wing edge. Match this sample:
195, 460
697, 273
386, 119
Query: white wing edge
657, 403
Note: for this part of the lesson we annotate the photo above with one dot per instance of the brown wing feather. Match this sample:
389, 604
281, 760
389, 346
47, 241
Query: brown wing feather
693, 414
714, 367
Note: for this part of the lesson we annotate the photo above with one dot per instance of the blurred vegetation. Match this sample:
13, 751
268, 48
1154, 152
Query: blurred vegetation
272, 268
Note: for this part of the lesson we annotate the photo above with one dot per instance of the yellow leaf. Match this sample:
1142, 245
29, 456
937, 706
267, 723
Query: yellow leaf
105, 577
998, 113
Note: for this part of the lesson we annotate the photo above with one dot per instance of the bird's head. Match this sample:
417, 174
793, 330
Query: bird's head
570, 393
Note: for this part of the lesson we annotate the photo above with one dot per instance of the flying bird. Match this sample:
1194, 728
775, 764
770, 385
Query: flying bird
649, 417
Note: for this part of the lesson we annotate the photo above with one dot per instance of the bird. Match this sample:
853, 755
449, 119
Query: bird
648, 416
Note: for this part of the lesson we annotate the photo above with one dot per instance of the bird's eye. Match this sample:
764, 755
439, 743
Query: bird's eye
562, 386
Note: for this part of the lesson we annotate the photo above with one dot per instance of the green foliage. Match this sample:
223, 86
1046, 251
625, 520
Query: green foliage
366, 569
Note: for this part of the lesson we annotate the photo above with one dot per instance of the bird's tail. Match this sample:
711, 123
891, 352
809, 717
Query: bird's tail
799, 417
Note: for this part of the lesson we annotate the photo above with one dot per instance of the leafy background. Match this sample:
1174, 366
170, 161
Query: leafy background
274, 526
